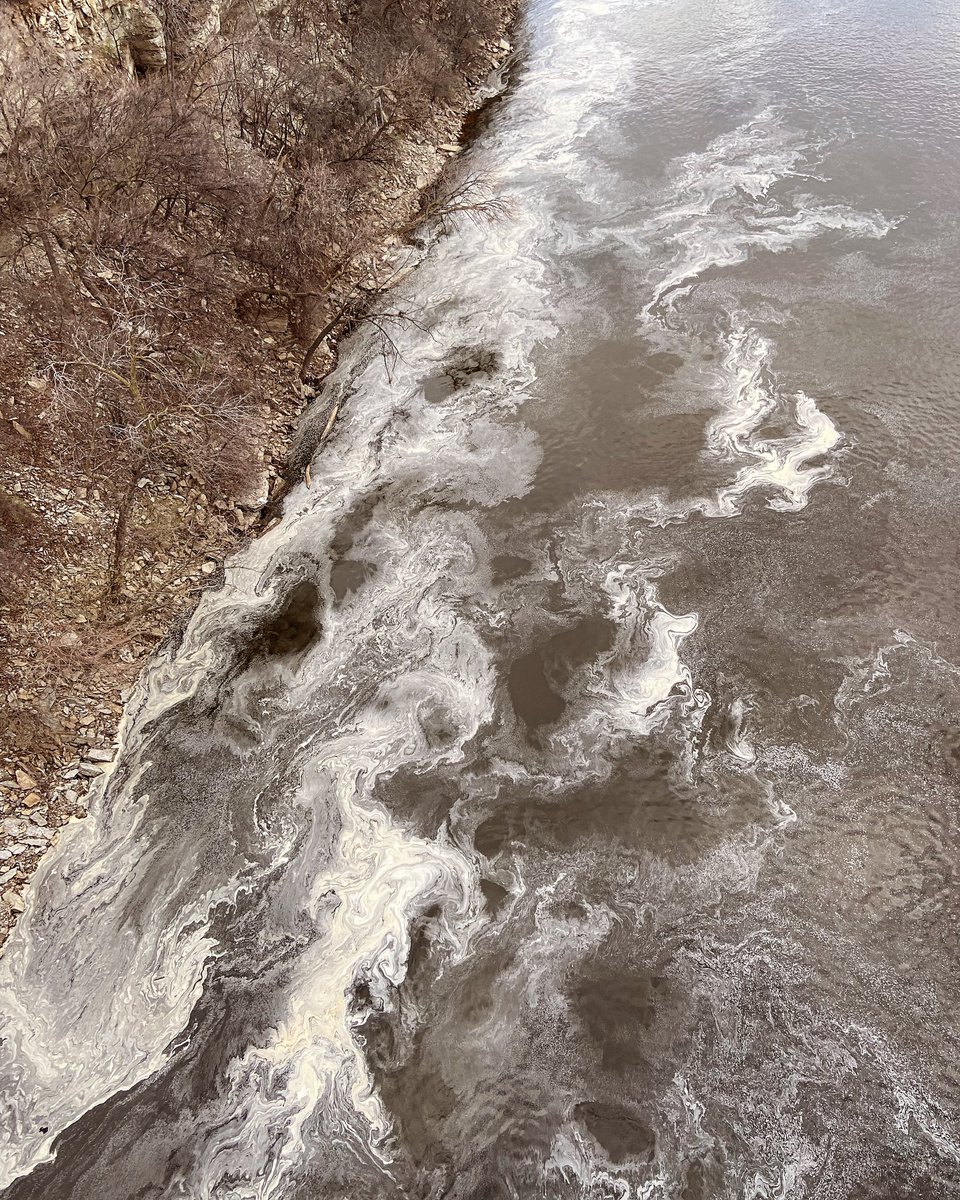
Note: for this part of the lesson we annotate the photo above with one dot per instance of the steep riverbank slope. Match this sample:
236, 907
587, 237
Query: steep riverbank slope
195, 198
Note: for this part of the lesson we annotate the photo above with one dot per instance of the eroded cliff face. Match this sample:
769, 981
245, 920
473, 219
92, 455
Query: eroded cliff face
128, 33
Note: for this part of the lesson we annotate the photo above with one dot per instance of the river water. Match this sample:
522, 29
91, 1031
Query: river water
562, 799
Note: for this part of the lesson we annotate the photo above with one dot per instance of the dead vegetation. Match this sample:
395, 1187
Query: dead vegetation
178, 247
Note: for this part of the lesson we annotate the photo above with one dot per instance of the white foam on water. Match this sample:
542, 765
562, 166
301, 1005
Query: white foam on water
67, 1048
915, 1109
379, 881
742, 195
645, 667
736, 741
747, 192
785, 465
641, 683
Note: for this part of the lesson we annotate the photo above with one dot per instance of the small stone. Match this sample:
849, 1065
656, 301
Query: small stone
37, 384
208, 567
79, 518
257, 492
20, 429
14, 901
99, 756
25, 781
90, 770
32, 800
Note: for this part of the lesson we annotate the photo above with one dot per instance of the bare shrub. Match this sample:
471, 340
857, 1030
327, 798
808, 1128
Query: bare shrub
141, 400
473, 197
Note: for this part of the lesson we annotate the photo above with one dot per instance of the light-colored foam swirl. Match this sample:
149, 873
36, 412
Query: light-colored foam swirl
786, 466
747, 193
